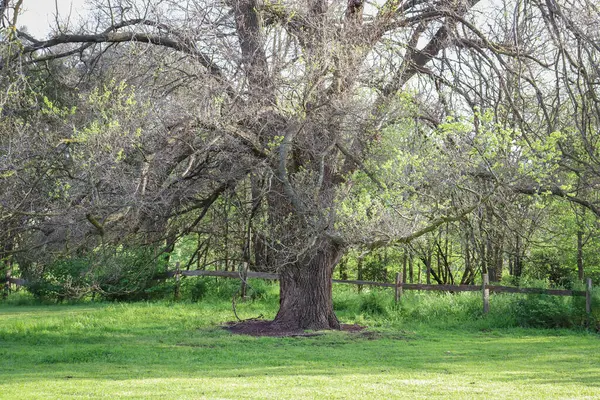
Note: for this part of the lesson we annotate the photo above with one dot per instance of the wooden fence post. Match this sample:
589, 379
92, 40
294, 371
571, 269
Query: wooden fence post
588, 298
486, 293
177, 294
398, 287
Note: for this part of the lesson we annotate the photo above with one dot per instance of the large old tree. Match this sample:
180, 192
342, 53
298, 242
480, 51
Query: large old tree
296, 98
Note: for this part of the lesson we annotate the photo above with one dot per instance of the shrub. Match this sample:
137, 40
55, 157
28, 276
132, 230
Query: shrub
20, 298
131, 274
126, 274
543, 311
198, 289
550, 265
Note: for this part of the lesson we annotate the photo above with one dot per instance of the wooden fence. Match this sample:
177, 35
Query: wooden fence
399, 286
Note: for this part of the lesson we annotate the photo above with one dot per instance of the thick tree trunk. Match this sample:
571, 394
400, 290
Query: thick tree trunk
306, 300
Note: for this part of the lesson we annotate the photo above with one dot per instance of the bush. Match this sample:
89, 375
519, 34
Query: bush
550, 265
131, 274
198, 289
20, 298
64, 279
126, 274
543, 311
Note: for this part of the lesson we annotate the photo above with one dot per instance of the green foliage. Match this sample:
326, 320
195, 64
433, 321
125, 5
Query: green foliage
444, 308
212, 288
200, 288
376, 269
127, 274
455, 310
21, 298
594, 322
197, 289
260, 289
542, 311
63, 279
378, 265
549, 264
345, 300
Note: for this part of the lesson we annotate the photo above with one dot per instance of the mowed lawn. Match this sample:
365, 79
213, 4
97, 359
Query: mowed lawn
179, 351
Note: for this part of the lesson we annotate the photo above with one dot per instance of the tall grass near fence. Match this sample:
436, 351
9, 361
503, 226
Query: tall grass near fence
458, 310
376, 307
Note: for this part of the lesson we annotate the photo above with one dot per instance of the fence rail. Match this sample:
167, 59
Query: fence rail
399, 286
405, 286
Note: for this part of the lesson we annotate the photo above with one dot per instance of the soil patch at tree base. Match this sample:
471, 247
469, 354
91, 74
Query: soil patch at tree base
268, 328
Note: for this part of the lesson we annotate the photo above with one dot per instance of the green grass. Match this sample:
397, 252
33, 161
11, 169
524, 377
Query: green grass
165, 351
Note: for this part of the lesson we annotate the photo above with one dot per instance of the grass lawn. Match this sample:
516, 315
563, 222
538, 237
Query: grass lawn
162, 350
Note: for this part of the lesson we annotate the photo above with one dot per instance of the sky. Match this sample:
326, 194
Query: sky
38, 15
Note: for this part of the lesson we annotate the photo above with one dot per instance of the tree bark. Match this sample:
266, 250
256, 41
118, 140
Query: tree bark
427, 262
410, 268
306, 300
359, 271
343, 270
518, 262
404, 264
580, 271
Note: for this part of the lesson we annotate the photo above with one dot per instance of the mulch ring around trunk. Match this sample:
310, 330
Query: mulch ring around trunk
267, 328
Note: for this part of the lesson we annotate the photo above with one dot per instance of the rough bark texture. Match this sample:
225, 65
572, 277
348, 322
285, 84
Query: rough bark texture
306, 297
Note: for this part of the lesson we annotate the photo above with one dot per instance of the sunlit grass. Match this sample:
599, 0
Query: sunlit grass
163, 350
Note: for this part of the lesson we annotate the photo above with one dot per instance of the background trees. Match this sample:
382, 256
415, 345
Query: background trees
280, 136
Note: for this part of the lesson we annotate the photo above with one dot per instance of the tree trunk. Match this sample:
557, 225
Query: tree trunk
580, 271
306, 300
359, 272
518, 263
343, 270
410, 268
404, 264
496, 260
427, 262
